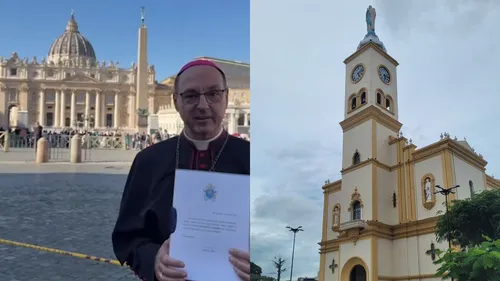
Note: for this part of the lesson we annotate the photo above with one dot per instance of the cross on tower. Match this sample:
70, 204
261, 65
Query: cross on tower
432, 252
333, 266
142, 14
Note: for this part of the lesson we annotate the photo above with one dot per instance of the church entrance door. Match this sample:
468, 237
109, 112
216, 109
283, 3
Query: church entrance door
358, 273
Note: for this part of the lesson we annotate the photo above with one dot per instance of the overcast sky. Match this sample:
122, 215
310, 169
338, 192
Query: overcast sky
448, 81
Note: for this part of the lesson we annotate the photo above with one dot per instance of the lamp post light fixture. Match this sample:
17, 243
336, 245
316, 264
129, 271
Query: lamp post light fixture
446, 192
294, 230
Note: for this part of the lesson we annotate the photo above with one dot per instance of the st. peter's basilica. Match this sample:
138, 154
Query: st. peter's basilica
71, 88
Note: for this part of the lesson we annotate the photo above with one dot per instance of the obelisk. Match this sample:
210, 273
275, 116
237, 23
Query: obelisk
142, 79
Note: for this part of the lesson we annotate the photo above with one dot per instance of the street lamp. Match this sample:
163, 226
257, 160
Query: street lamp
446, 192
294, 230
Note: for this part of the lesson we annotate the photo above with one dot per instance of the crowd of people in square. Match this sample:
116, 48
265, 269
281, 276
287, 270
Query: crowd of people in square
26, 137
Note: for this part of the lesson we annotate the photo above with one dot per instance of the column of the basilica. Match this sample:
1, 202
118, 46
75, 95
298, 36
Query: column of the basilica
246, 119
97, 109
232, 128
73, 109
3, 106
87, 109
57, 108
41, 117
132, 111
62, 109
116, 114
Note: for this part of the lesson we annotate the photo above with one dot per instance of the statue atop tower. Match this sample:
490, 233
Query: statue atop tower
370, 36
370, 19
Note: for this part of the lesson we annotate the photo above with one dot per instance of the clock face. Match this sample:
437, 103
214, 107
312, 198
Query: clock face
384, 75
358, 73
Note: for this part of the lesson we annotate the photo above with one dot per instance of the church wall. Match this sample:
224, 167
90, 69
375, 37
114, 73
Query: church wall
362, 180
409, 256
464, 172
357, 138
239, 95
404, 257
384, 257
327, 270
361, 250
426, 265
387, 185
433, 166
386, 153
491, 183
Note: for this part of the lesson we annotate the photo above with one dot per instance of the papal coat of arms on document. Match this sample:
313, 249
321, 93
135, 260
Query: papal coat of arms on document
210, 192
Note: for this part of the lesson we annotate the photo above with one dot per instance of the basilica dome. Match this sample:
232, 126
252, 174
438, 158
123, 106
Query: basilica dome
71, 45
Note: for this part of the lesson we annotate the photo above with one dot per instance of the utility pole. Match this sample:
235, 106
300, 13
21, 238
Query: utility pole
294, 230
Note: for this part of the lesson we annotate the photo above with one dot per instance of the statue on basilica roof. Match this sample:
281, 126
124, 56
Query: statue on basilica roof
370, 19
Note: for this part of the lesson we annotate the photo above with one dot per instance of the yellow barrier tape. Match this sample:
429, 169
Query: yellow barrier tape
66, 253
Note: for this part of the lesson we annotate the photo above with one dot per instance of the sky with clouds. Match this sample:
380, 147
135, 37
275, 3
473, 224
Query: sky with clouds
448, 82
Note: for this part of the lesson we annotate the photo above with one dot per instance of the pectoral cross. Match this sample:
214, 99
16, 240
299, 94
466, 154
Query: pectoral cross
333, 266
432, 252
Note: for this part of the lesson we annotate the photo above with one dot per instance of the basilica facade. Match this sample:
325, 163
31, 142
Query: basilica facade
71, 88
379, 218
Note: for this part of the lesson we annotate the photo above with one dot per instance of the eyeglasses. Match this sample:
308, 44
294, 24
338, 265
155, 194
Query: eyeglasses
193, 97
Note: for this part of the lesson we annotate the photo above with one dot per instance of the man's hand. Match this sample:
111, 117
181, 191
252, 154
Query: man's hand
241, 263
166, 268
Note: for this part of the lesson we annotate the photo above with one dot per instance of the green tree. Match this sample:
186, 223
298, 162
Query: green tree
477, 263
470, 219
256, 273
255, 269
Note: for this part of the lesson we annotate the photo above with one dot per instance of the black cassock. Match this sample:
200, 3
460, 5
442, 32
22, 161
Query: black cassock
145, 219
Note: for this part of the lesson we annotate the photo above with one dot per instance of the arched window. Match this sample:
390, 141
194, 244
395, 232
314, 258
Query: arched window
471, 188
363, 97
353, 103
379, 98
356, 210
356, 158
387, 104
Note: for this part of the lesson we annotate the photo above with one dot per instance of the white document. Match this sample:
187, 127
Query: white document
213, 215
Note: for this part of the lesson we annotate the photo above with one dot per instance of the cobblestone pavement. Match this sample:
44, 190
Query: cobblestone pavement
73, 209
22, 264
62, 155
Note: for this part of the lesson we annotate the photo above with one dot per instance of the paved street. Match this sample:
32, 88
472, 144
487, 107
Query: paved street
62, 206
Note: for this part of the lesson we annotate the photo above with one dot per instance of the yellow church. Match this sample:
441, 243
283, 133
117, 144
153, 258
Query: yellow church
379, 218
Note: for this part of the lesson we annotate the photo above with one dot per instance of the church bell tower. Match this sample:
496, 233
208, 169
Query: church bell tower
371, 98
370, 124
